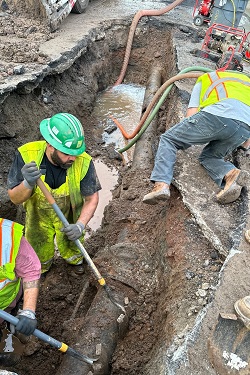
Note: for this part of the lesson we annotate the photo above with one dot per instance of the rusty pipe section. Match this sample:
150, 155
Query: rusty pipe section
143, 149
98, 334
136, 19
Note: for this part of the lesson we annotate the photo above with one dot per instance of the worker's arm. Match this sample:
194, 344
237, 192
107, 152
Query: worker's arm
30, 295
89, 207
194, 101
75, 231
89, 187
19, 193
191, 111
28, 268
22, 179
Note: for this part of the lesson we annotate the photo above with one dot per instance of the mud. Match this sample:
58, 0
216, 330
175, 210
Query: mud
168, 268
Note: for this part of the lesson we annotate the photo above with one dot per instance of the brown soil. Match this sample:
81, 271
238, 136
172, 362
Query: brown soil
172, 260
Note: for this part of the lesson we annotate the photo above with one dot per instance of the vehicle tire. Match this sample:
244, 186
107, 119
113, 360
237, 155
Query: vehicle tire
80, 6
198, 20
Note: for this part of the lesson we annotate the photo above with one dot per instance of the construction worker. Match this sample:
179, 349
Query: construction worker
218, 115
20, 271
69, 174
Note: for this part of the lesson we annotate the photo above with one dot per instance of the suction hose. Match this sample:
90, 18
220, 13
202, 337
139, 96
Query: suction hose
165, 89
134, 23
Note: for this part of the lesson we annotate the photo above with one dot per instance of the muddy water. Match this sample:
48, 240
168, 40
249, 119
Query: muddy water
123, 102
108, 178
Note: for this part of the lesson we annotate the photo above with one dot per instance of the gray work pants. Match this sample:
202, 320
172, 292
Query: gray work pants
221, 136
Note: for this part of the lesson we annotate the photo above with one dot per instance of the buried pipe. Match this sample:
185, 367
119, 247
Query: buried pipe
165, 87
99, 333
61, 346
143, 149
103, 327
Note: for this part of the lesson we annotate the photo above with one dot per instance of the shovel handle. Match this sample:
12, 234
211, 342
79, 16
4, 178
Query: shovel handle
48, 339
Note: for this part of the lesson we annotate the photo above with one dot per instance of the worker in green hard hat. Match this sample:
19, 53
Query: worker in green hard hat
69, 174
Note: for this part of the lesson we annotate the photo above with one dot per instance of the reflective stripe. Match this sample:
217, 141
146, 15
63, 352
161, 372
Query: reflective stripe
218, 85
7, 246
7, 241
69, 118
52, 132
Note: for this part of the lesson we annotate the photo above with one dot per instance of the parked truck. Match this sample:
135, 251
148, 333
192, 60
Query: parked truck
55, 11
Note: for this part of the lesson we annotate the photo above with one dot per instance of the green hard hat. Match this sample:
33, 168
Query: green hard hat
65, 133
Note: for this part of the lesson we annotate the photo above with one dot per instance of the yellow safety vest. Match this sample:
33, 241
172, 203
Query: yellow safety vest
10, 237
36, 150
217, 86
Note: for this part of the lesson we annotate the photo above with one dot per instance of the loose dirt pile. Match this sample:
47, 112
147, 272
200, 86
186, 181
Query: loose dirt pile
21, 34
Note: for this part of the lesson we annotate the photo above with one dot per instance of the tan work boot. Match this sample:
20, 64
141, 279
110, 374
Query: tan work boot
235, 180
247, 235
160, 192
242, 308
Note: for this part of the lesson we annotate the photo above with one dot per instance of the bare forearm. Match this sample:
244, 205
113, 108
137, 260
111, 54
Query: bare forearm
30, 294
89, 208
19, 193
191, 111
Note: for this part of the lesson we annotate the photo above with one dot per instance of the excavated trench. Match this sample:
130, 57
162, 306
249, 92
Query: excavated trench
155, 260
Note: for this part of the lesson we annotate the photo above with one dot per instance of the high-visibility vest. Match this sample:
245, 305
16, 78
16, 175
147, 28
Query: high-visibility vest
36, 150
217, 86
10, 237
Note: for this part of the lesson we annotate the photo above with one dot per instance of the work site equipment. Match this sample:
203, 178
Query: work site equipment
50, 340
78, 243
225, 42
225, 45
202, 12
55, 11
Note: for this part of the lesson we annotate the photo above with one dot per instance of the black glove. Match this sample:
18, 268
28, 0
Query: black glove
30, 174
74, 231
27, 322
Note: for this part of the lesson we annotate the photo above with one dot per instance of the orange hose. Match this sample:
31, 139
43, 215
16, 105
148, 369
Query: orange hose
155, 98
134, 23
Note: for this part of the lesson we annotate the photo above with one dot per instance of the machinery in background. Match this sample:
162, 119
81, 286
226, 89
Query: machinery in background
226, 45
202, 13
225, 42
55, 11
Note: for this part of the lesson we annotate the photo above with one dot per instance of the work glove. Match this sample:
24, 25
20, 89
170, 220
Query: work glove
74, 231
30, 174
27, 322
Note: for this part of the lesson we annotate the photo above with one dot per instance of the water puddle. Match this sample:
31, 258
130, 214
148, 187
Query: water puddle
108, 178
124, 102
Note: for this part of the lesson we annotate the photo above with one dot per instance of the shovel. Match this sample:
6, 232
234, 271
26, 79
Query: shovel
50, 340
78, 243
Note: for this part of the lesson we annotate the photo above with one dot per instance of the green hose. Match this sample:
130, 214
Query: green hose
158, 105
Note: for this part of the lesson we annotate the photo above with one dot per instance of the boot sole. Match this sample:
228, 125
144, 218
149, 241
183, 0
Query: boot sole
230, 195
154, 198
